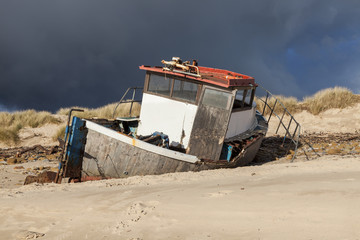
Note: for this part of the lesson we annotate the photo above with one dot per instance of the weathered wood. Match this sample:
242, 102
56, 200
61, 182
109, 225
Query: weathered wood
209, 130
106, 157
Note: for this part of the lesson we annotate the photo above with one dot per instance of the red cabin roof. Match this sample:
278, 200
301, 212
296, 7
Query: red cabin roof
219, 77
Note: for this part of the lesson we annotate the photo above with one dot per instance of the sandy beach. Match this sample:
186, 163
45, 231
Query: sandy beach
305, 199
302, 200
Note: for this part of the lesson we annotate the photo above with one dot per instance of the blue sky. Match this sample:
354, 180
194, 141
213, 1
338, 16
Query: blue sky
63, 53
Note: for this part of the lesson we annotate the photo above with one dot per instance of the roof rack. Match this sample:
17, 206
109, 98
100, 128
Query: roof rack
178, 66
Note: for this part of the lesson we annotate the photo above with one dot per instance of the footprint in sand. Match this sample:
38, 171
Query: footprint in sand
134, 213
25, 234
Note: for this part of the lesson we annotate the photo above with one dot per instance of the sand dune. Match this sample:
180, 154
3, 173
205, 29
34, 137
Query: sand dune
345, 120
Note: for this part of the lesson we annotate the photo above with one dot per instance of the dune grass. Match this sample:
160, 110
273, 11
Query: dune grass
60, 133
337, 97
11, 123
9, 135
105, 111
123, 110
290, 103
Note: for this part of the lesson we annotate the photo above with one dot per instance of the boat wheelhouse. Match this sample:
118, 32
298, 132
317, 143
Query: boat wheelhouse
197, 112
192, 118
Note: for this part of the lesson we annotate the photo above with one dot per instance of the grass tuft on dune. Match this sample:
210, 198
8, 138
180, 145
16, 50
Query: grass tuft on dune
290, 103
123, 110
337, 97
106, 111
11, 123
60, 133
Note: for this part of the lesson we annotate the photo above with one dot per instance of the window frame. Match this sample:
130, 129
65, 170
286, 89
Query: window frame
252, 96
170, 96
230, 99
147, 82
200, 90
182, 99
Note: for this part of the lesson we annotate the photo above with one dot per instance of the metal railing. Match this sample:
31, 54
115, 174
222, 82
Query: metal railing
293, 135
132, 100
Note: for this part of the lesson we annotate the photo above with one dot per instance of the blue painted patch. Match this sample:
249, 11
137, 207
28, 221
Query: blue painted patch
226, 152
75, 148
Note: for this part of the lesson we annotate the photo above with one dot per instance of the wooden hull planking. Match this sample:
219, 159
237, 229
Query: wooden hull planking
107, 157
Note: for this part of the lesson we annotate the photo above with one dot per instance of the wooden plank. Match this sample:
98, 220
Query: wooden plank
209, 130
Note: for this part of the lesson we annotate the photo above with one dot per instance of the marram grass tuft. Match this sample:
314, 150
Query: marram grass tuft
337, 97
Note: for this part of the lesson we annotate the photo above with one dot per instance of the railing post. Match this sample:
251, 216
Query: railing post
265, 103
122, 98
277, 129
272, 110
292, 140
132, 101
297, 142
287, 130
120, 101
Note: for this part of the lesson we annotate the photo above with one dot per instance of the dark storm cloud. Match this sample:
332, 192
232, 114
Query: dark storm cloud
62, 53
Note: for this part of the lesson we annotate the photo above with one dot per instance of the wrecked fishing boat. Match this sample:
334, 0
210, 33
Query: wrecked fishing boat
192, 118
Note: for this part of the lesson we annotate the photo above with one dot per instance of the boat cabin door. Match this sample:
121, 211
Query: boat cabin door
211, 123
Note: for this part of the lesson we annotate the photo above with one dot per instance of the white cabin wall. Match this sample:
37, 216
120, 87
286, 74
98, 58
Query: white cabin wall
168, 116
240, 122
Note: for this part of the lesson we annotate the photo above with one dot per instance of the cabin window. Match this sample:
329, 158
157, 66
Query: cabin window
172, 87
160, 84
247, 98
216, 98
243, 99
244, 96
185, 90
